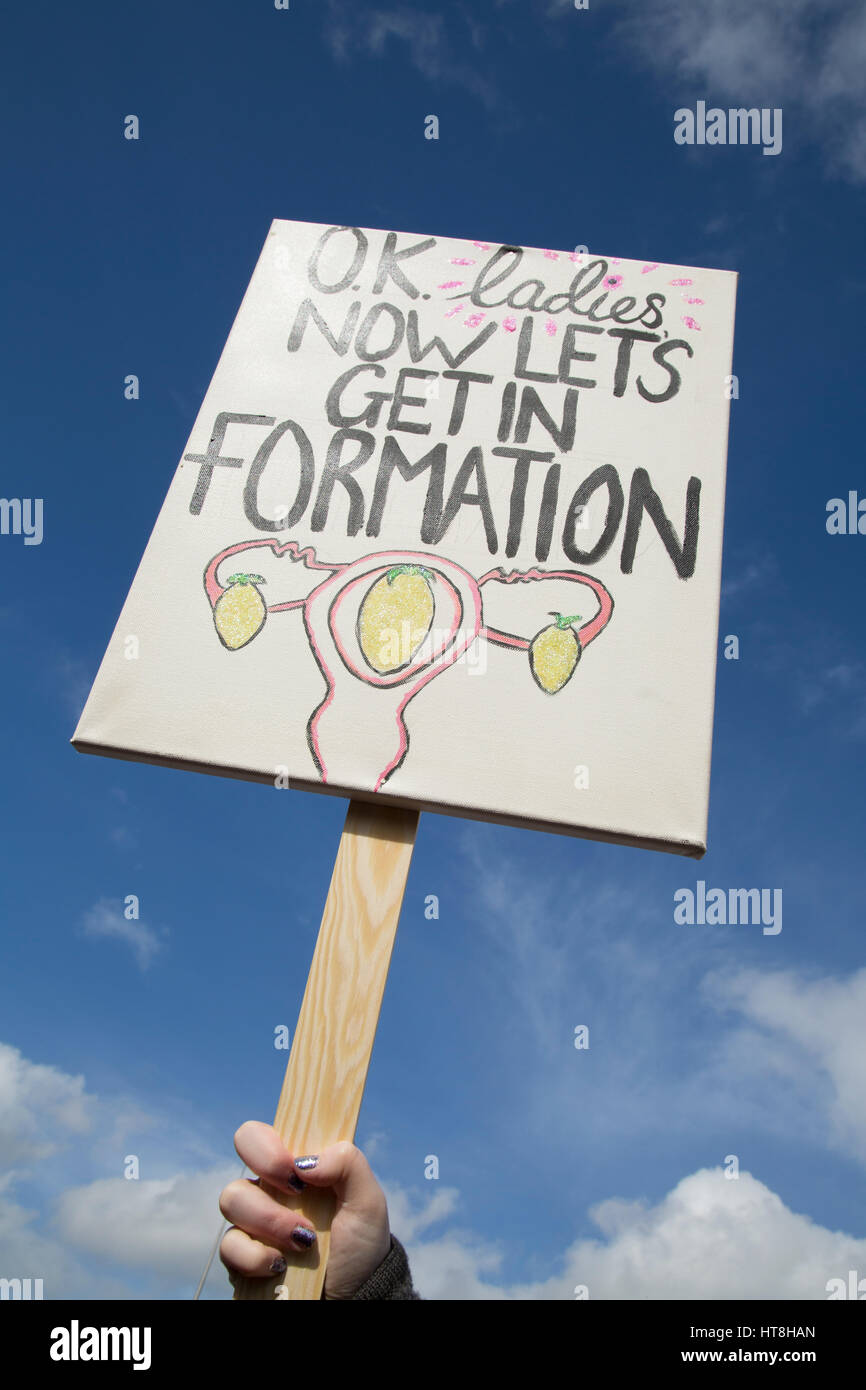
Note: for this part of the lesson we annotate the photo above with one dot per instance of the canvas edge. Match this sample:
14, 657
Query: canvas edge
683, 848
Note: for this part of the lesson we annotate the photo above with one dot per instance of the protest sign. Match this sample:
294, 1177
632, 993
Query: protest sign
447, 532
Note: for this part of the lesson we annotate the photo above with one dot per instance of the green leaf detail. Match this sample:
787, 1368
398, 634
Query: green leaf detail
409, 569
246, 579
563, 622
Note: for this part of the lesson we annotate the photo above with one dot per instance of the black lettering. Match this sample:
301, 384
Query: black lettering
306, 311
627, 337
523, 458
547, 512
506, 411
393, 457
590, 312
524, 343
659, 355
655, 304
371, 318
482, 284
643, 497
617, 313
532, 408
570, 354
574, 294
337, 472
605, 476
390, 269
370, 415
212, 458
351, 274
257, 468
417, 353
531, 303
459, 497
394, 421
461, 395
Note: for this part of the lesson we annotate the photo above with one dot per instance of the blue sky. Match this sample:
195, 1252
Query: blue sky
557, 1166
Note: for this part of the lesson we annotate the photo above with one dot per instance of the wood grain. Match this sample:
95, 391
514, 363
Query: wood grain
327, 1069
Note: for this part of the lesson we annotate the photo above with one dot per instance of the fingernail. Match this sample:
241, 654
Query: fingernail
295, 1183
278, 1266
305, 1164
302, 1235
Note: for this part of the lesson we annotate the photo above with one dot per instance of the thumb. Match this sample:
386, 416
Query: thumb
343, 1167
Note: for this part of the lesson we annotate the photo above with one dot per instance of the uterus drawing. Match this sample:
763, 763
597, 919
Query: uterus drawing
382, 627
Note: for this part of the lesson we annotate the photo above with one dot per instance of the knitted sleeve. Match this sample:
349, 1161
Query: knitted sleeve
392, 1279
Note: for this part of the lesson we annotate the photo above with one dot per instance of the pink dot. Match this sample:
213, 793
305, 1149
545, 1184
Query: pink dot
691, 323
509, 324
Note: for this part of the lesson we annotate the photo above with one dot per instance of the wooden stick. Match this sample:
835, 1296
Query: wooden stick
327, 1068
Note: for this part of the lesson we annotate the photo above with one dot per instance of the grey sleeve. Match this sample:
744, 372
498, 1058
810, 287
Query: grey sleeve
392, 1279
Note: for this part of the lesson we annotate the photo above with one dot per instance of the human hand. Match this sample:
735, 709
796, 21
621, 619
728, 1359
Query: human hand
262, 1228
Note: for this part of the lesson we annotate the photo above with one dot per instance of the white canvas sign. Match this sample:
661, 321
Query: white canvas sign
447, 532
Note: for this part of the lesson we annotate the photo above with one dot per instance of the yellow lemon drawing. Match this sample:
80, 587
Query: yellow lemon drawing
240, 612
554, 652
395, 617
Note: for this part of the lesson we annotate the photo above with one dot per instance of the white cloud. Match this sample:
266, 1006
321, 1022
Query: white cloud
106, 920
838, 690
66, 1240
457, 1266
780, 1052
788, 53
374, 1144
710, 1238
40, 1107
811, 1033
410, 1218
25, 1253
424, 39
760, 574
806, 58
165, 1226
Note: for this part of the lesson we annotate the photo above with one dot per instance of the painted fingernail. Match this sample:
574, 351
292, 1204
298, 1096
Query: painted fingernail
305, 1164
295, 1183
278, 1266
302, 1235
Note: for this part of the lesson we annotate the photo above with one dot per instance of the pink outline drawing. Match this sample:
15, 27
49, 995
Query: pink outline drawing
330, 634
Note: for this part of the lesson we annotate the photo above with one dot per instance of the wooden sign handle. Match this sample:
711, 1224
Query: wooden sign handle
327, 1069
